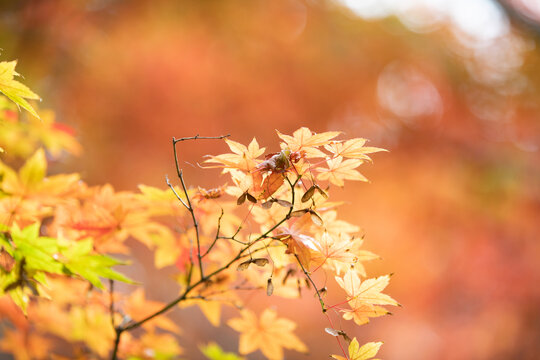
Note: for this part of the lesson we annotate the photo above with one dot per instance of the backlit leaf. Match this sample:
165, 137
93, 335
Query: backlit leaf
270, 334
13, 89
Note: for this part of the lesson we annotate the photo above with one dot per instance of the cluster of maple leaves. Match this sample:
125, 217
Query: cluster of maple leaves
271, 229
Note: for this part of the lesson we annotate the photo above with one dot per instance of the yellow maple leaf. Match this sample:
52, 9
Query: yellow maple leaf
367, 291
360, 256
30, 180
339, 170
242, 158
363, 297
335, 248
13, 89
305, 140
364, 352
360, 312
353, 148
270, 334
335, 226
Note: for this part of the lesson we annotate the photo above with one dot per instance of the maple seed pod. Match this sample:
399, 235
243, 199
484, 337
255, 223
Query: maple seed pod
345, 336
332, 332
260, 262
299, 213
309, 194
317, 220
323, 193
243, 266
284, 203
251, 198
289, 273
269, 287
267, 205
241, 199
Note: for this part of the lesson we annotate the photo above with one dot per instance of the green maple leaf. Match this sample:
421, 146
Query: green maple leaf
78, 259
35, 256
15, 90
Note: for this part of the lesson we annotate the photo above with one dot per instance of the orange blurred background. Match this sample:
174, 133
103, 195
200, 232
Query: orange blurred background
451, 88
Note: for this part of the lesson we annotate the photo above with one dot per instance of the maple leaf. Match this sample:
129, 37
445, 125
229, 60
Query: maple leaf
242, 158
333, 248
353, 148
13, 89
270, 334
367, 291
265, 185
111, 217
305, 140
160, 202
242, 181
335, 226
30, 181
339, 170
364, 296
364, 352
19, 211
297, 241
360, 312
359, 256
78, 258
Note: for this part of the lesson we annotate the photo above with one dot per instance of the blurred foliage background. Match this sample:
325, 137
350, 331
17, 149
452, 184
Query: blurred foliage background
451, 88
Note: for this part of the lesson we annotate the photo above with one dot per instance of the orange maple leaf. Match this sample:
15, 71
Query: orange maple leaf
297, 241
270, 334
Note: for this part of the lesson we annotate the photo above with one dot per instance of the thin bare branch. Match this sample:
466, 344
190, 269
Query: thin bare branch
111, 302
321, 301
188, 203
203, 279
175, 193
217, 234
197, 137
